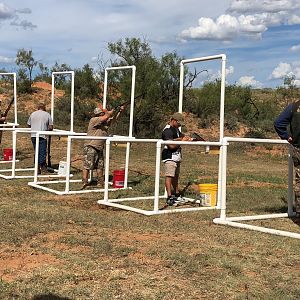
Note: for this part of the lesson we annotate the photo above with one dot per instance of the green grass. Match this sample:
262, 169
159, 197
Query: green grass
72, 248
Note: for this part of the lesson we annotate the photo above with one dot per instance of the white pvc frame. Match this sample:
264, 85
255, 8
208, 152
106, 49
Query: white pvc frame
130, 131
155, 211
72, 97
222, 98
235, 221
41, 184
14, 170
15, 123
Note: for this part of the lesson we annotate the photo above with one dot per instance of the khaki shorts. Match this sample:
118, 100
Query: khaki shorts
93, 158
172, 168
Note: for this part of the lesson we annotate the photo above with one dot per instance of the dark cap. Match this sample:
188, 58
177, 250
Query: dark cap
178, 117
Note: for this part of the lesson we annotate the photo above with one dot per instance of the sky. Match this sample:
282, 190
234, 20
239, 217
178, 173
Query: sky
261, 38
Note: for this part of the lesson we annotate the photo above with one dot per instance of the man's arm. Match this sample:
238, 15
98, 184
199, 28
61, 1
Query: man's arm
114, 116
282, 122
168, 135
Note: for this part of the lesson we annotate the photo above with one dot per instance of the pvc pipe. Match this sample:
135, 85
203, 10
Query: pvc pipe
157, 175
132, 101
126, 164
106, 169
72, 96
222, 96
258, 217
14, 138
258, 228
254, 140
72, 101
15, 99
223, 182
204, 58
67, 187
120, 68
181, 83
105, 89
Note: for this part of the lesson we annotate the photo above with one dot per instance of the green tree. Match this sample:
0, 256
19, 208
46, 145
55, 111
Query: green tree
26, 62
157, 83
86, 83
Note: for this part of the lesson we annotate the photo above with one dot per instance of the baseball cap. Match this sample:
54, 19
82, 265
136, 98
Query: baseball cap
98, 111
178, 117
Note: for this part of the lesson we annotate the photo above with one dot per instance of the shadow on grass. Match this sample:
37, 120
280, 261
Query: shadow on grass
49, 297
296, 220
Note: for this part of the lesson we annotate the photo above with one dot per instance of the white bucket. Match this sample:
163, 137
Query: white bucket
62, 168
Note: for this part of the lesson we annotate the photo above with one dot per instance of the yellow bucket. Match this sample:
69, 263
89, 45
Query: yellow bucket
208, 194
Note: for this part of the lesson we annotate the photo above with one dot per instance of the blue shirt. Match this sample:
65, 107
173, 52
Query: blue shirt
283, 121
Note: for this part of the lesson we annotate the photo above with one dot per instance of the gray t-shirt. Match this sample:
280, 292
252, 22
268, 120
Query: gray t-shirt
39, 121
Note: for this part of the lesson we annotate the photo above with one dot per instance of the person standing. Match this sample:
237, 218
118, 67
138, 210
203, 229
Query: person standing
171, 157
287, 126
93, 150
40, 120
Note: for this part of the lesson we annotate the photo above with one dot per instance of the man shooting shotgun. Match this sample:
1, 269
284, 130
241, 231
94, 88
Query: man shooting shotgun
93, 149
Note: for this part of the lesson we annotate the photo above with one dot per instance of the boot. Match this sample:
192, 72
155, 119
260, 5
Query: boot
100, 182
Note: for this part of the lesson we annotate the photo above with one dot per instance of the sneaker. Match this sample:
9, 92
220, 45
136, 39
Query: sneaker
179, 200
171, 200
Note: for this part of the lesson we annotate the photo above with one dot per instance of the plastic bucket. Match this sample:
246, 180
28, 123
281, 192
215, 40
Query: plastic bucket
62, 168
7, 154
208, 194
118, 178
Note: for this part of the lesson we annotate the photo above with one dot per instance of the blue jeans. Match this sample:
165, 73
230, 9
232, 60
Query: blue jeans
42, 150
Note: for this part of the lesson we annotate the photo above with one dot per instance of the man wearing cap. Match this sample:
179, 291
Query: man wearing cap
93, 149
171, 157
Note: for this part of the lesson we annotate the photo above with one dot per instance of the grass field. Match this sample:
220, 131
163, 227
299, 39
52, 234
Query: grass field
68, 247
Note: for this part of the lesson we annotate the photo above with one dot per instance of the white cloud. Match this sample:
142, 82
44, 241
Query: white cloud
6, 60
246, 18
282, 70
295, 48
6, 12
257, 6
297, 82
249, 81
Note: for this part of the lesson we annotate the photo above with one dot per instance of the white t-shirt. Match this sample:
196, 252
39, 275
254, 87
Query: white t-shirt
39, 121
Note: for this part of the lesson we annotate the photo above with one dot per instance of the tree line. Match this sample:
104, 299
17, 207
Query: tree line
157, 91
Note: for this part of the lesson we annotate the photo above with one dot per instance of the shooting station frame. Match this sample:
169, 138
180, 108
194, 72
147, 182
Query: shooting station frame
14, 170
156, 197
15, 122
72, 97
235, 221
68, 175
15, 131
222, 100
83, 136
156, 210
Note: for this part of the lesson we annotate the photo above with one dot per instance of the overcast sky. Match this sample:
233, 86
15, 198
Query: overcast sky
261, 38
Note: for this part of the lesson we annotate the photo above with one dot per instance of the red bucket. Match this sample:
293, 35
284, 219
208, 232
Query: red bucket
118, 178
7, 154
